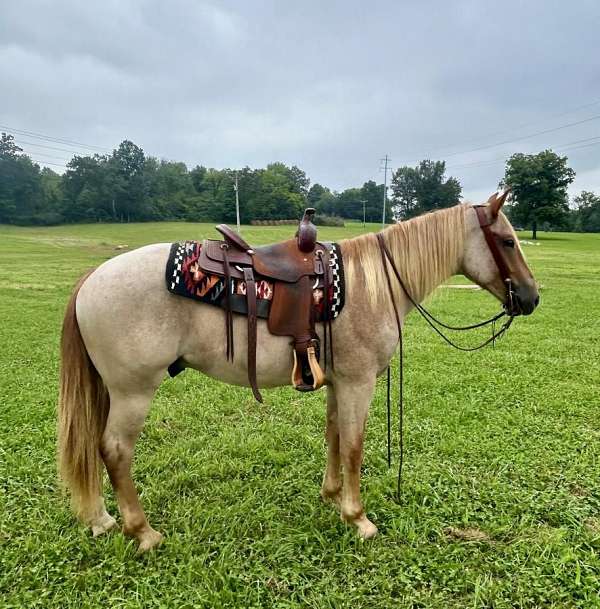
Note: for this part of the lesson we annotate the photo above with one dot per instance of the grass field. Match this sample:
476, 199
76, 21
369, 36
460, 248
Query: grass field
501, 492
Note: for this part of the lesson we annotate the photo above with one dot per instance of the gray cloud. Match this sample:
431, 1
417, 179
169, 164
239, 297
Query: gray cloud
328, 86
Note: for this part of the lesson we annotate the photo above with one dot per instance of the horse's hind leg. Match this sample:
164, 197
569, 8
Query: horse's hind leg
124, 424
332, 481
101, 521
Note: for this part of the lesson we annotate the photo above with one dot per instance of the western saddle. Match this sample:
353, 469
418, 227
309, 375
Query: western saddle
295, 267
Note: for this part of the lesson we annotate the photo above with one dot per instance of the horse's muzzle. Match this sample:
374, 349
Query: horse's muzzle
522, 301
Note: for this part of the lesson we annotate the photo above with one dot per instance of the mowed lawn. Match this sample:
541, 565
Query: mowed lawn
500, 504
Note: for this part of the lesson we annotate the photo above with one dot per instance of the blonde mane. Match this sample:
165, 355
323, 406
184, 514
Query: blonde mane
426, 250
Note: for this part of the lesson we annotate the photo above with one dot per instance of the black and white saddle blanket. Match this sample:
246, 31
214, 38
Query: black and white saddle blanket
184, 277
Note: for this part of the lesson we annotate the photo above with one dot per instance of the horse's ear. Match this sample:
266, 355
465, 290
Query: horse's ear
496, 202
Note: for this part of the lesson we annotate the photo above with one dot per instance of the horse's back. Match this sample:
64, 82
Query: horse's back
134, 328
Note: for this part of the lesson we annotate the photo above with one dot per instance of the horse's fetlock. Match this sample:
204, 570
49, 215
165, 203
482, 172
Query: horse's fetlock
352, 513
135, 526
331, 492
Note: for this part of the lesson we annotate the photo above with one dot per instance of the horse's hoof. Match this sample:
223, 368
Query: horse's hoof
149, 540
105, 524
365, 528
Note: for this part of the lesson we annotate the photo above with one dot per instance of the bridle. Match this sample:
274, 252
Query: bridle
436, 324
484, 224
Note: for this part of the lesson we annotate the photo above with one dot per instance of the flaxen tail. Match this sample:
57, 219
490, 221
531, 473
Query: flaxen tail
82, 411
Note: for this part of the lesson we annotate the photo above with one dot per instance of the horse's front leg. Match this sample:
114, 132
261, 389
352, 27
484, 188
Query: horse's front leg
332, 480
353, 399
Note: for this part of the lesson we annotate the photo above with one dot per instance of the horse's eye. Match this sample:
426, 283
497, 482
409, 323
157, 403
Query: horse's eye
509, 242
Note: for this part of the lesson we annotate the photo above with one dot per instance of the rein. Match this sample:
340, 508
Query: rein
436, 324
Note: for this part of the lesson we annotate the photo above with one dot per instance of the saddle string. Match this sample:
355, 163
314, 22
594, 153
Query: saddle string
326, 326
432, 321
228, 311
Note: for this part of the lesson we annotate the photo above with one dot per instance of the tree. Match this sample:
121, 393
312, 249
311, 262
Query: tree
129, 186
315, 193
539, 185
8, 148
423, 188
587, 212
198, 175
349, 203
87, 188
327, 204
21, 192
372, 195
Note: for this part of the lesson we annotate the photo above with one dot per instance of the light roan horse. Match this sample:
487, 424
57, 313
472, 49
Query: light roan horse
122, 329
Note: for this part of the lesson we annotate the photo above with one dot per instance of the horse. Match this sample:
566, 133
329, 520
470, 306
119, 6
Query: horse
122, 329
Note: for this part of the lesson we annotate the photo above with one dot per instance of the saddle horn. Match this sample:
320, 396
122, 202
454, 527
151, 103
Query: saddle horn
307, 231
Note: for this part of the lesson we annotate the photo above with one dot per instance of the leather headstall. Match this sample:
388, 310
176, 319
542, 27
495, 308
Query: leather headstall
485, 223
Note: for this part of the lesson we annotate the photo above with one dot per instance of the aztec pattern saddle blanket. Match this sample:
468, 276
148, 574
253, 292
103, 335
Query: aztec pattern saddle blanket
184, 277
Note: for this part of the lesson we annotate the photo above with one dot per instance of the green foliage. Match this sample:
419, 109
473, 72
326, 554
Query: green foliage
586, 216
321, 220
128, 186
504, 441
423, 188
23, 186
539, 185
352, 202
8, 148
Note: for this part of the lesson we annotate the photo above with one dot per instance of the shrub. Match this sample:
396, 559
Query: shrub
321, 220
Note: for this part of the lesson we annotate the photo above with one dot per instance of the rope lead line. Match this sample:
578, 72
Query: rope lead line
434, 323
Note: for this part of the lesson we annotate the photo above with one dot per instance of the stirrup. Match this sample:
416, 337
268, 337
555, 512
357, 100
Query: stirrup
315, 370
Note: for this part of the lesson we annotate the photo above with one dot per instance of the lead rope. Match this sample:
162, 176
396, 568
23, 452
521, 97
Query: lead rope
432, 321
389, 380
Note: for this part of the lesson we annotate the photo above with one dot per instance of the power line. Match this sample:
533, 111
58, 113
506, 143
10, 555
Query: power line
524, 137
48, 163
50, 138
19, 141
48, 156
566, 146
521, 126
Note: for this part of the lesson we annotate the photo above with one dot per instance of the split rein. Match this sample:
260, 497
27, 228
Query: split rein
436, 324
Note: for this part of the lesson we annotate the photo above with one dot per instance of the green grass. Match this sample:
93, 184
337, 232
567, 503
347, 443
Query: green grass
505, 441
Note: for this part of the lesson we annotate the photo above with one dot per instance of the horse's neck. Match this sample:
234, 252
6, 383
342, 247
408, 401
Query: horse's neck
424, 260
426, 251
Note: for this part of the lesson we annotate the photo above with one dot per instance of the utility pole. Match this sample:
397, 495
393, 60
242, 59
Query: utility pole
237, 202
386, 159
364, 202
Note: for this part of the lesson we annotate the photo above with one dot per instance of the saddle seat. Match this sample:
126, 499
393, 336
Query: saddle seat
293, 266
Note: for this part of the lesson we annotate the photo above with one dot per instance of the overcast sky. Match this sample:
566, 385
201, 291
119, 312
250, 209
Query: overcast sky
329, 86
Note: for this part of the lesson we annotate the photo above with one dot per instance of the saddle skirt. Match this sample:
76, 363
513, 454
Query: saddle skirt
185, 277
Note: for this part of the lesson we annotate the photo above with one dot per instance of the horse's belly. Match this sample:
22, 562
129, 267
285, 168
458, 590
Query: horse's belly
205, 349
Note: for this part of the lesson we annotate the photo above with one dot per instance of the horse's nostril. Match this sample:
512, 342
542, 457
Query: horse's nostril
537, 301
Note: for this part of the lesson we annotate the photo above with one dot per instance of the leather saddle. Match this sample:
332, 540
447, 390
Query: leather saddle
295, 267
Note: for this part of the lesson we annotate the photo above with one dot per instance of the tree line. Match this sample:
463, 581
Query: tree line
129, 186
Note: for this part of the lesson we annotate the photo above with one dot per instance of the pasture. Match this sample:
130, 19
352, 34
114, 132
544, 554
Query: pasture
500, 504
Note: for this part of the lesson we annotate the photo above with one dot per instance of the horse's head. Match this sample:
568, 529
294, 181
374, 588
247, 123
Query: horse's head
494, 260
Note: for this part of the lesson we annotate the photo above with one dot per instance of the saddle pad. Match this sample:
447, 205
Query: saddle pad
184, 277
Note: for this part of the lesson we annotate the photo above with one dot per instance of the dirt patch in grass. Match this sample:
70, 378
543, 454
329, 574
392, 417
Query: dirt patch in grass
592, 525
467, 534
